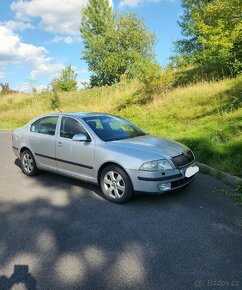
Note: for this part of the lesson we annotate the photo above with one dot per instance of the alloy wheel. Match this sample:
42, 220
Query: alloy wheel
114, 184
28, 163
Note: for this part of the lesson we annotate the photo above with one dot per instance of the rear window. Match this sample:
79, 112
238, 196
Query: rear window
45, 125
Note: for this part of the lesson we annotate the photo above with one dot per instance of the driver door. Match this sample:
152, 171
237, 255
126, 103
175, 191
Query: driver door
75, 158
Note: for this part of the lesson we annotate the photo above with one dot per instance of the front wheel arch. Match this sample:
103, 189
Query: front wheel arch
111, 163
116, 184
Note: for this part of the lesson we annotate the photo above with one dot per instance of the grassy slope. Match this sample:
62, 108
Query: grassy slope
206, 116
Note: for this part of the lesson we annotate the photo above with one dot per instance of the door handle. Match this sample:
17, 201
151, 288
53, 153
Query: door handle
31, 139
59, 144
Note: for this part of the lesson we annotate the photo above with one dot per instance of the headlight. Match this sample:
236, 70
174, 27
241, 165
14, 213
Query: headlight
155, 165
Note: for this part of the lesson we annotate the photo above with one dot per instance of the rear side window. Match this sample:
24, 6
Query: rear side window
71, 127
45, 125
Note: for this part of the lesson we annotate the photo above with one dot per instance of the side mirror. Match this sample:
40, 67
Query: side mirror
79, 137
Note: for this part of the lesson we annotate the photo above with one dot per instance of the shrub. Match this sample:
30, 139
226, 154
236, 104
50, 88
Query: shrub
55, 101
5, 89
157, 80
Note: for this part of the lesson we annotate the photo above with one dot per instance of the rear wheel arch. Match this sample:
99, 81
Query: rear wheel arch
28, 164
23, 149
26, 148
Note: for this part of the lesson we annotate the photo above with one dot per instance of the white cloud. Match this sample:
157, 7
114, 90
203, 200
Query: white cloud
130, 3
134, 3
28, 86
46, 69
66, 39
13, 49
82, 71
82, 84
2, 75
17, 25
24, 87
17, 52
56, 16
83, 74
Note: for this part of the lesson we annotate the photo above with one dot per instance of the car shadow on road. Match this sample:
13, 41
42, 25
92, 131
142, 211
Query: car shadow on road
21, 275
70, 237
17, 162
52, 179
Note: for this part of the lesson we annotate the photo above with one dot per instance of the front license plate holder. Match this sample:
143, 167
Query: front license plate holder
190, 171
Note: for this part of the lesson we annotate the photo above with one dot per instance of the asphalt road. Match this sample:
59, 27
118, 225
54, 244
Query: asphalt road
68, 237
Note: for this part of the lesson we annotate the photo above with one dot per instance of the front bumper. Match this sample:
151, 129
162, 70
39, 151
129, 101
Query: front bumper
160, 181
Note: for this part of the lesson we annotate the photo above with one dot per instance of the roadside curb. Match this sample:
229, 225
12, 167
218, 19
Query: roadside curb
6, 130
227, 178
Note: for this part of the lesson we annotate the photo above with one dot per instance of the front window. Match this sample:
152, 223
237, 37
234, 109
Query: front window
70, 127
111, 128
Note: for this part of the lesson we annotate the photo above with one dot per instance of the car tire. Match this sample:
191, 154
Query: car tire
116, 184
28, 164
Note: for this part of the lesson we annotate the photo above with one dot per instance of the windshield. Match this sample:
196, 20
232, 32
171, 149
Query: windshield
110, 128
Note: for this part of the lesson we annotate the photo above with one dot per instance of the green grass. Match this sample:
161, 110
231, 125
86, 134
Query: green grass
206, 116
235, 194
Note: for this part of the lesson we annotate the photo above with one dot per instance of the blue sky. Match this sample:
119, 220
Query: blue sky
39, 37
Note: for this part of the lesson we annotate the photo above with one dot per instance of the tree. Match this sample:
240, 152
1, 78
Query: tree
114, 44
97, 19
213, 33
66, 82
5, 89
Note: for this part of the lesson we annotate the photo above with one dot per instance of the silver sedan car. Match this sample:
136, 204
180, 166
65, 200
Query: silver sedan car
106, 150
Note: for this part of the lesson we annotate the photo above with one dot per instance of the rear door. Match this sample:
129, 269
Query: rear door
74, 158
42, 141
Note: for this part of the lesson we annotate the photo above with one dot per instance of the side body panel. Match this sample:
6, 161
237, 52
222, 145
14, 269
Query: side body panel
75, 158
43, 148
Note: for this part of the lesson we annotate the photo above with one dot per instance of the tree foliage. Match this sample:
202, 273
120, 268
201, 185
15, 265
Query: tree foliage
5, 89
66, 82
213, 33
114, 44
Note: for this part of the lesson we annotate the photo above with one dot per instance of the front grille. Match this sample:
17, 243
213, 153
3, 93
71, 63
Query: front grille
183, 159
181, 182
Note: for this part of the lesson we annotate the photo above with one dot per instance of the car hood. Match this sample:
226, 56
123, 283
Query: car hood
152, 144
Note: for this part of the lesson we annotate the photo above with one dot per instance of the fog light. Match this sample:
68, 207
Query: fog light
164, 186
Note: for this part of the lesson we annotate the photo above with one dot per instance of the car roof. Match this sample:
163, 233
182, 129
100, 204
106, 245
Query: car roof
78, 114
